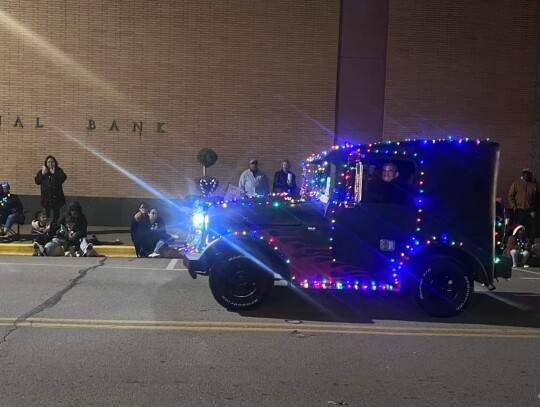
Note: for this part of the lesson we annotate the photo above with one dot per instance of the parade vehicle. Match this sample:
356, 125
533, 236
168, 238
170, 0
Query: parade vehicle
415, 216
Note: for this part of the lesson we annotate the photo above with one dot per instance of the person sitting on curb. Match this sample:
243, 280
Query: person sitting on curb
158, 233
11, 209
518, 247
140, 236
41, 231
71, 234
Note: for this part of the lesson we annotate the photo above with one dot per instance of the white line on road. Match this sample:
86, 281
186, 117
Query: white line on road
529, 278
529, 271
171, 264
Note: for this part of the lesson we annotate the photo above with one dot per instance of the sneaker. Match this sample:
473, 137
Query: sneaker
154, 255
88, 249
514, 266
40, 251
525, 266
68, 254
77, 254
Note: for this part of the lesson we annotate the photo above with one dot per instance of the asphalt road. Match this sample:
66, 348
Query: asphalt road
141, 332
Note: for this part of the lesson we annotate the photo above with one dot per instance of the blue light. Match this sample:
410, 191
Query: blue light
198, 220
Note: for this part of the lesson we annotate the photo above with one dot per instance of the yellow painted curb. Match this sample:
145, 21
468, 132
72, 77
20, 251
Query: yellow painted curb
26, 249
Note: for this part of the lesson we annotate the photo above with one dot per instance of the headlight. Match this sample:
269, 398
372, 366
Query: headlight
200, 221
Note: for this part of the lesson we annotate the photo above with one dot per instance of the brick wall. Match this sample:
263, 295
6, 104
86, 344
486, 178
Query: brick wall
464, 68
248, 78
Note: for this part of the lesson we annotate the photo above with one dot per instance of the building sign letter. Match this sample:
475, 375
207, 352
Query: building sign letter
137, 126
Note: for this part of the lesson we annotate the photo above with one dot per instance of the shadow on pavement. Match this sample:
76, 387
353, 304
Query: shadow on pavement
502, 309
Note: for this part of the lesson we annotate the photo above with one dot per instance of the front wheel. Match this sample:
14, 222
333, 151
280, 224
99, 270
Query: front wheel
444, 286
237, 283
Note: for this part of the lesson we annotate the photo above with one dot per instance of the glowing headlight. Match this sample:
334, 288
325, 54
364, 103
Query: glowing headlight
200, 221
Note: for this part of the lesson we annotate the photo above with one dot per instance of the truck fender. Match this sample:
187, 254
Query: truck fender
477, 270
257, 250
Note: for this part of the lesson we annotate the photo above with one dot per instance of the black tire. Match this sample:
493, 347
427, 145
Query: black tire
237, 283
444, 286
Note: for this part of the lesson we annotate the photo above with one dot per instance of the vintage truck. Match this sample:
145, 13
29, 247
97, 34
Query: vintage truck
416, 216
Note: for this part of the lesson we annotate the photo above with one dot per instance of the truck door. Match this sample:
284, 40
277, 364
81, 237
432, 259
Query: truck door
374, 228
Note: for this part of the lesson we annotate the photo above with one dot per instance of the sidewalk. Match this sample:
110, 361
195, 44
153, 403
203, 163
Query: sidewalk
115, 242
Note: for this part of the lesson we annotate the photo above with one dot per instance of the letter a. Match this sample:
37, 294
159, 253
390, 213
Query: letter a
18, 123
114, 126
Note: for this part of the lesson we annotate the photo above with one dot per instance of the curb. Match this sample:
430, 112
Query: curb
26, 249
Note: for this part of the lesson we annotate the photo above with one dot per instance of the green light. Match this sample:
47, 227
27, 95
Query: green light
275, 204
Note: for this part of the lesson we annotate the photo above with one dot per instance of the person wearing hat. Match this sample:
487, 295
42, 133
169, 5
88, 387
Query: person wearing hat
253, 181
11, 209
524, 199
518, 247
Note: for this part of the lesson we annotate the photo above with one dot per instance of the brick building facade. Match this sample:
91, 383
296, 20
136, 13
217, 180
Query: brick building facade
127, 92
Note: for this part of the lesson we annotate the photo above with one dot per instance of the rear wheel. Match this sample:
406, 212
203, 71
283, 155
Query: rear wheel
444, 286
237, 283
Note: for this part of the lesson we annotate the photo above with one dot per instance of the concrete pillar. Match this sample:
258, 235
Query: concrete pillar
361, 71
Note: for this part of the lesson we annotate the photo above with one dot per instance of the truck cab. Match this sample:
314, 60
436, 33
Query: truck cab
416, 216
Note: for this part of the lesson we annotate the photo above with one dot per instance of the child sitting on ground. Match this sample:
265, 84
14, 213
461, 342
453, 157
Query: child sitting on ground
518, 247
41, 232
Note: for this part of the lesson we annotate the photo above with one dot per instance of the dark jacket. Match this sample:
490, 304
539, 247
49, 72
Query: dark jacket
394, 192
141, 236
75, 224
52, 193
10, 203
158, 230
280, 183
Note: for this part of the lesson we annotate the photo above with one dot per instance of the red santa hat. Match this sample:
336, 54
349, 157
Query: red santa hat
517, 229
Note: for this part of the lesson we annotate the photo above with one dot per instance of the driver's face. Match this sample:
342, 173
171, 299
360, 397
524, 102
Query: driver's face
389, 173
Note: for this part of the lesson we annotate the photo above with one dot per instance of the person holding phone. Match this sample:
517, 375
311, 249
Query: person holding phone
285, 180
50, 178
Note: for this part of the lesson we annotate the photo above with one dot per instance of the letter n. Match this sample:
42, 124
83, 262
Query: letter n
137, 126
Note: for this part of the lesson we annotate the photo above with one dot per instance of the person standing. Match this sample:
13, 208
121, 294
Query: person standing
51, 177
285, 180
524, 197
253, 181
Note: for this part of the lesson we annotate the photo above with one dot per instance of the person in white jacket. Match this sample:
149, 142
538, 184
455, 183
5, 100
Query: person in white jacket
253, 181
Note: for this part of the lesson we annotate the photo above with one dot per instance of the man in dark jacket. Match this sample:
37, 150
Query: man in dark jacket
11, 209
390, 188
524, 197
